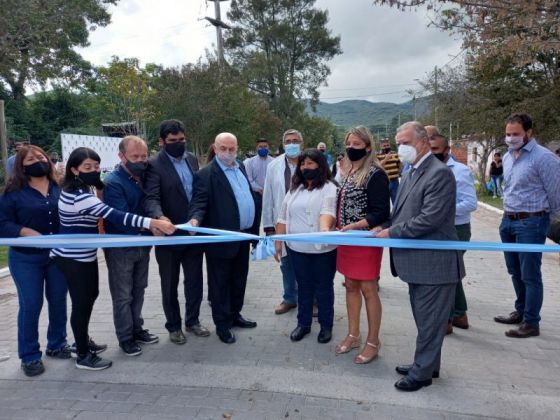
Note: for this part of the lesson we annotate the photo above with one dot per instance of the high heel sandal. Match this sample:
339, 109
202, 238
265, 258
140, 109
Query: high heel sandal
354, 344
361, 360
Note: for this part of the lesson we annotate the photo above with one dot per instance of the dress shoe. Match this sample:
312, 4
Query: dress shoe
284, 307
299, 333
226, 336
523, 331
409, 384
324, 336
177, 337
244, 323
198, 330
512, 318
404, 369
449, 328
461, 322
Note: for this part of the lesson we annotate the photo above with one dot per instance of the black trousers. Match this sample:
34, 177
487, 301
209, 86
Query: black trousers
170, 259
227, 279
83, 286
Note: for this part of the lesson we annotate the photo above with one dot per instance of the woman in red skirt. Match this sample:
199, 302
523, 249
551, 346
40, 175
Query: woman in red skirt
363, 203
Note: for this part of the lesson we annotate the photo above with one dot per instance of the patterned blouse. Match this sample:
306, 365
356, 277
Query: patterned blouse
371, 201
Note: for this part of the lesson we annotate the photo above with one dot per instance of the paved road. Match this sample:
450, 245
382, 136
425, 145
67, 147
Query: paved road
264, 375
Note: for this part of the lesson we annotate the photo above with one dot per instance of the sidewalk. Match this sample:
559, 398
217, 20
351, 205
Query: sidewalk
264, 375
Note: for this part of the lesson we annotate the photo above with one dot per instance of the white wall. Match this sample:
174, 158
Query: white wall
106, 147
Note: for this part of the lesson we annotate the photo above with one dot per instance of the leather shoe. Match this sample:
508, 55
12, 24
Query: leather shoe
226, 336
409, 384
404, 369
198, 330
284, 307
449, 328
177, 337
299, 333
523, 331
512, 318
244, 323
461, 322
324, 336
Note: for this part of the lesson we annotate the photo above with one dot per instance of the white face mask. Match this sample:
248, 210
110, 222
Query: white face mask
407, 154
514, 142
226, 158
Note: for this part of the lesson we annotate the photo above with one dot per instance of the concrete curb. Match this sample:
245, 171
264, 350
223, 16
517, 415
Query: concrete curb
489, 207
4, 272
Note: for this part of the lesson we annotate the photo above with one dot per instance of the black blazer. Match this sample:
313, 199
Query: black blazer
164, 190
214, 205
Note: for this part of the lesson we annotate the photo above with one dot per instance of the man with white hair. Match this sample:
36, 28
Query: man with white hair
222, 199
322, 147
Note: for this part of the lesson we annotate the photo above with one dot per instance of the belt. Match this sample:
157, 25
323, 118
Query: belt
523, 215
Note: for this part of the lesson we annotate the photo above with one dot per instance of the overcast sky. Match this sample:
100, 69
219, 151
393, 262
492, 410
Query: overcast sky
384, 50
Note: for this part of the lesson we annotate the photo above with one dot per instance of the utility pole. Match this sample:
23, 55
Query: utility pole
436, 96
3, 141
217, 22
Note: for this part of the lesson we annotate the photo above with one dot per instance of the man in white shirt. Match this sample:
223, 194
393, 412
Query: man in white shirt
278, 179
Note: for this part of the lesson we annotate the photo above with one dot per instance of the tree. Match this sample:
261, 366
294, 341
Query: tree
38, 40
281, 47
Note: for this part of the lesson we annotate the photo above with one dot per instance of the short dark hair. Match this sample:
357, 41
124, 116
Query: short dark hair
170, 127
498, 154
71, 182
262, 140
319, 158
521, 118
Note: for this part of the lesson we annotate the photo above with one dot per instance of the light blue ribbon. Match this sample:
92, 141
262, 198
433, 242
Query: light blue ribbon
266, 244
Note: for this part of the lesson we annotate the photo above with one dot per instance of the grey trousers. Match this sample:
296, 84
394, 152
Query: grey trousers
128, 279
431, 305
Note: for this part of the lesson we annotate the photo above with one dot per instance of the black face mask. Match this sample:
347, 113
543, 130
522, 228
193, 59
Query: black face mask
54, 161
92, 179
137, 169
37, 169
310, 174
440, 156
176, 149
355, 154
386, 150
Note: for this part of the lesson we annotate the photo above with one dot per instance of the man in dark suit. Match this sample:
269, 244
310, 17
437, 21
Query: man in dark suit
425, 209
169, 187
223, 199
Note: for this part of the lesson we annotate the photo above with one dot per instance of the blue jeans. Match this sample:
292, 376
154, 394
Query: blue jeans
315, 278
393, 189
497, 183
35, 274
289, 280
525, 267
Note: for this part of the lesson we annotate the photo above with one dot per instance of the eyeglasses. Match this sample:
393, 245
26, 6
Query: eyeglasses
292, 141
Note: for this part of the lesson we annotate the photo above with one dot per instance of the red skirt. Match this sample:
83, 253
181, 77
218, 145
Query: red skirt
359, 262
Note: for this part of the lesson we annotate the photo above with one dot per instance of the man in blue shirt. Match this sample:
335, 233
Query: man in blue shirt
531, 198
222, 199
128, 267
12, 159
466, 203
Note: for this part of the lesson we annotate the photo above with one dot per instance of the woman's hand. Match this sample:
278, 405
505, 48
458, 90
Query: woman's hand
278, 248
25, 231
162, 227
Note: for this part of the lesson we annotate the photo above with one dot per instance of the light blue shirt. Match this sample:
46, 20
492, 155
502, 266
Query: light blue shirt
242, 193
184, 173
466, 201
10, 164
532, 180
256, 171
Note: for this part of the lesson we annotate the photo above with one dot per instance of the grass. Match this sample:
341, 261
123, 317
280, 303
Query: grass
3, 256
488, 199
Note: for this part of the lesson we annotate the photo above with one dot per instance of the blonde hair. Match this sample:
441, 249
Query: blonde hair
361, 174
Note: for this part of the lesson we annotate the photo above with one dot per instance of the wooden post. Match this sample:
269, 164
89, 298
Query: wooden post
3, 141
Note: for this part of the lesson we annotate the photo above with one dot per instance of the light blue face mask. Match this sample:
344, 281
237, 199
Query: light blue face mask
292, 150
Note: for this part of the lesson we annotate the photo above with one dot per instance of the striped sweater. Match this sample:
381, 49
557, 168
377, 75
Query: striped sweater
80, 211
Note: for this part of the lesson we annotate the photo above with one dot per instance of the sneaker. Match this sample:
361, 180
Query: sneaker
92, 361
61, 353
33, 368
144, 337
130, 348
93, 347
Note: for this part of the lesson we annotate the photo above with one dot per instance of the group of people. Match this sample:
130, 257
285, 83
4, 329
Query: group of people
292, 193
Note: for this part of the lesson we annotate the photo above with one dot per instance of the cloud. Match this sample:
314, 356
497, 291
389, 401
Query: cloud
384, 50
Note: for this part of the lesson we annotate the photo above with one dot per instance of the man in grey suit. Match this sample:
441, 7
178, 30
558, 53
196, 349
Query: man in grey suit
424, 209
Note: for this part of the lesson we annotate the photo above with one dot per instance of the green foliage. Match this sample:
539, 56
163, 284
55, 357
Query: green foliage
281, 47
37, 40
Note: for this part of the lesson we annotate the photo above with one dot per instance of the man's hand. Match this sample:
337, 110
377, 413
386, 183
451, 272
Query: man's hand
194, 223
162, 217
382, 234
278, 248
